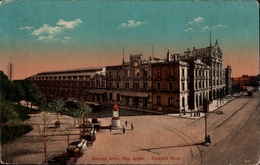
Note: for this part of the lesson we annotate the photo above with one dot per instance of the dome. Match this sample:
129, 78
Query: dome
115, 107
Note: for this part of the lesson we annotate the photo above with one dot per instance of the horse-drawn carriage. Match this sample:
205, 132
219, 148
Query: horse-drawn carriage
70, 156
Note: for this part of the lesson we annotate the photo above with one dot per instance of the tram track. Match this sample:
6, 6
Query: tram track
233, 132
235, 112
188, 142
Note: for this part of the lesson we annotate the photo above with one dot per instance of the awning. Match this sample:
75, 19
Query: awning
135, 94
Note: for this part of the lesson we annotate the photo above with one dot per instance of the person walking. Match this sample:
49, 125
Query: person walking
126, 123
132, 126
123, 130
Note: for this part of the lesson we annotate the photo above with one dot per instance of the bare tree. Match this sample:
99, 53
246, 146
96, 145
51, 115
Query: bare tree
45, 136
67, 130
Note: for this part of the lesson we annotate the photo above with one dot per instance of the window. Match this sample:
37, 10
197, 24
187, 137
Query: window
158, 86
182, 72
109, 84
117, 84
183, 101
111, 96
170, 101
158, 100
171, 72
118, 97
127, 73
145, 72
118, 74
170, 86
158, 72
87, 84
98, 83
183, 86
145, 85
127, 85
127, 100
136, 85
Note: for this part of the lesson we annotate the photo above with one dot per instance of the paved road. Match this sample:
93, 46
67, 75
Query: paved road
240, 142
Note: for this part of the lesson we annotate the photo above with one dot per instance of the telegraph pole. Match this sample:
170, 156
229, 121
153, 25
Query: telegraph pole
206, 110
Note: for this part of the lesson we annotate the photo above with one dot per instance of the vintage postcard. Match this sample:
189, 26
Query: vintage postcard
129, 82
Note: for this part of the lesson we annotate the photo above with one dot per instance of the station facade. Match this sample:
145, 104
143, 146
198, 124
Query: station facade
179, 82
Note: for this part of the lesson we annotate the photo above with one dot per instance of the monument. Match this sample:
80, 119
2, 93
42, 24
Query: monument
115, 118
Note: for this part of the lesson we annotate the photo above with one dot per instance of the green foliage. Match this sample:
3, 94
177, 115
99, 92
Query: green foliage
10, 133
5, 85
7, 110
82, 111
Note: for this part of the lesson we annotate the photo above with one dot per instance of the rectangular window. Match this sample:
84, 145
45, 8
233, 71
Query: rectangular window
145, 85
183, 86
170, 101
127, 73
170, 86
136, 85
171, 72
111, 96
127, 100
109, 84
98, 83
158, 100
103, 84
158, 86
127, 85
158, 72
117, 84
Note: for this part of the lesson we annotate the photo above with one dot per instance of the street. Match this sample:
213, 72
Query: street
159, 139
233, 128
235, 134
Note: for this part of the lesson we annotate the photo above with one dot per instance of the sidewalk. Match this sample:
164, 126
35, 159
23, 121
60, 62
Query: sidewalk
213, 106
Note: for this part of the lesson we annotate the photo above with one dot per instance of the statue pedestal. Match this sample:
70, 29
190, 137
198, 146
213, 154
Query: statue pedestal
115, 121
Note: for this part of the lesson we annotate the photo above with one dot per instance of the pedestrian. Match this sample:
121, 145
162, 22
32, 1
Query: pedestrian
123, 130
209, 139
126, 123
132, 126
110, 128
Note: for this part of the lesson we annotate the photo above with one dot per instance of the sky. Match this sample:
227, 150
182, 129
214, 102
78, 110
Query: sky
51, 35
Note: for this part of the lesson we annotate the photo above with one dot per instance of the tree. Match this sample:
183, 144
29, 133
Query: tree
5, 85
9, 132
80, 114
67, 131
56, 107
45, 137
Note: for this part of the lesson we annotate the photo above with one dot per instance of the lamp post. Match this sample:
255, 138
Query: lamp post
206, 110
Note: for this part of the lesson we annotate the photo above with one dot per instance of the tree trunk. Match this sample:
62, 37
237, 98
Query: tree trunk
68, 138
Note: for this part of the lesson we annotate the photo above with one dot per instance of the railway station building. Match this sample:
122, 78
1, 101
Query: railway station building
179, 82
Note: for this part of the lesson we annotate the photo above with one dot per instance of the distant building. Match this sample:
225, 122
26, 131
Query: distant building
239, 83
179, 82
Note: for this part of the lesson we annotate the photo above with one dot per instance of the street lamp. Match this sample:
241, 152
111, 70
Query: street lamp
206, 110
